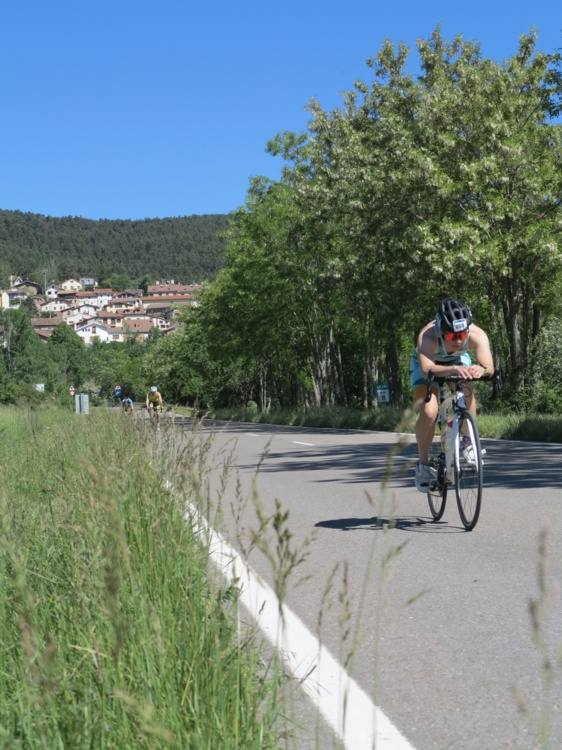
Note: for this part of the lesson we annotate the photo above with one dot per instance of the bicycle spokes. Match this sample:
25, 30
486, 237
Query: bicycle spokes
468, 472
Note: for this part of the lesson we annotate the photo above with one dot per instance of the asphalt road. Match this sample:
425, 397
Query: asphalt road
433, 622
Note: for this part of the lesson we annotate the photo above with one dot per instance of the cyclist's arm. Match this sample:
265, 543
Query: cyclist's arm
480, 346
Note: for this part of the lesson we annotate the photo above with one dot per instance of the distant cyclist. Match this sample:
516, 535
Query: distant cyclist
117, 394
154, 402
449, 345
127, 404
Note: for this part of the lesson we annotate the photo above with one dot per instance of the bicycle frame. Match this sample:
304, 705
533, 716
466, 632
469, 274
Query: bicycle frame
455, 402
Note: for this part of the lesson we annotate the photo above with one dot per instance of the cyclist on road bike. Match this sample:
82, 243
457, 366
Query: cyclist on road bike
449, 345
127, 404
154, 401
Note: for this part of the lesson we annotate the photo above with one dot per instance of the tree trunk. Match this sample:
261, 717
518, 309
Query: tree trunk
336, 357
511, 307
393, 363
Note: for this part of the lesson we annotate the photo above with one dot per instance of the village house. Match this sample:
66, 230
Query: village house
54, 306
93, 330
22, 290
155, 321
52, 291
112, 319
172, 302
124, 302
44, 327
70, 285
138, 329
98, 297
69, 297
74, 316
16, 297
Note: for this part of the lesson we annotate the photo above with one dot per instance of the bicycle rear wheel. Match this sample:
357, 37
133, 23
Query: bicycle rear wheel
437, 499
468, 471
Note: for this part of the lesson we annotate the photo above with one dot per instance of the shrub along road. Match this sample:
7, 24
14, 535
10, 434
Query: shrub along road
433, 622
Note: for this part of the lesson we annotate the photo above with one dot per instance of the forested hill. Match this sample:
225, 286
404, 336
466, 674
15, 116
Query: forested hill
184, 248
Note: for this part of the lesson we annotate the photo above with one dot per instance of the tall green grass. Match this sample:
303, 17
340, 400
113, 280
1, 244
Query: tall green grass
110, 634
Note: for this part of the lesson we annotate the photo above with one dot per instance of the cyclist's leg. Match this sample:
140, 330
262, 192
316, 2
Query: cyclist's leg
425, 425
427, 412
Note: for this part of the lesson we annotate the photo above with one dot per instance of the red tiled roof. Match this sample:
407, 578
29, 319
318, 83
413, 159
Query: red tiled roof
163, 288
172, 298
140, 326
46, 322
106, 314
93, 293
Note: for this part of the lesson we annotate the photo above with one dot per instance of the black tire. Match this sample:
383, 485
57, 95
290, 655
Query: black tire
469, 476
438, 500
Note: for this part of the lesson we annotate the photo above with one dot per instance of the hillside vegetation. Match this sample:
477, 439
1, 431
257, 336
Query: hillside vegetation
186, 248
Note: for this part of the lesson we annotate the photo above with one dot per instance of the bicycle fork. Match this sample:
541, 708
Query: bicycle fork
451, 449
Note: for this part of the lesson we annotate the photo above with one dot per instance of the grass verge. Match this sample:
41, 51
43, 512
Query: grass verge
110, 635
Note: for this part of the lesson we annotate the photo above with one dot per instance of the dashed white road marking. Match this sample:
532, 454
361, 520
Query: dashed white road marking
346, 707
253, 434
298, 442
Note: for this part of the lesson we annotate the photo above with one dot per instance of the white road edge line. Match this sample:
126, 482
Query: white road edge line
358, 722
298, 442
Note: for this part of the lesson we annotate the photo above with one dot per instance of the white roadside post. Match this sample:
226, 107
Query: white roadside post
82, 403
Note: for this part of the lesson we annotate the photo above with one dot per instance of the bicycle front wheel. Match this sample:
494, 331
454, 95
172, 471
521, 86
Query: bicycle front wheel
468, 471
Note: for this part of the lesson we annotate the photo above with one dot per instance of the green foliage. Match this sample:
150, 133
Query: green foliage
546, 386
22, 353
415, 188
184, 248
108, 364
66, 352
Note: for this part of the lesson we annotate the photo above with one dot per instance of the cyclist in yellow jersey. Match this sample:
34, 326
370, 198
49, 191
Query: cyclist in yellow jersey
154, 402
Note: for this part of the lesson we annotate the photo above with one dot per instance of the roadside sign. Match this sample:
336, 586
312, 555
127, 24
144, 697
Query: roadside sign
383, 393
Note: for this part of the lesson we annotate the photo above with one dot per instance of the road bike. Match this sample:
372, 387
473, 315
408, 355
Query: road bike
154, 412
127, 406
457, 460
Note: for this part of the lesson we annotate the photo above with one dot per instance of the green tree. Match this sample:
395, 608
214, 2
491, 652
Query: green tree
66, 352
22, 352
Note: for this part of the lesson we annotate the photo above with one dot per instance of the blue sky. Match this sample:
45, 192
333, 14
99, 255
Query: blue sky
149, 109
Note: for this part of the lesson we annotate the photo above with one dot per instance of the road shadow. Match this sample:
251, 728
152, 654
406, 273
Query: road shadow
507, 465
379, 523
